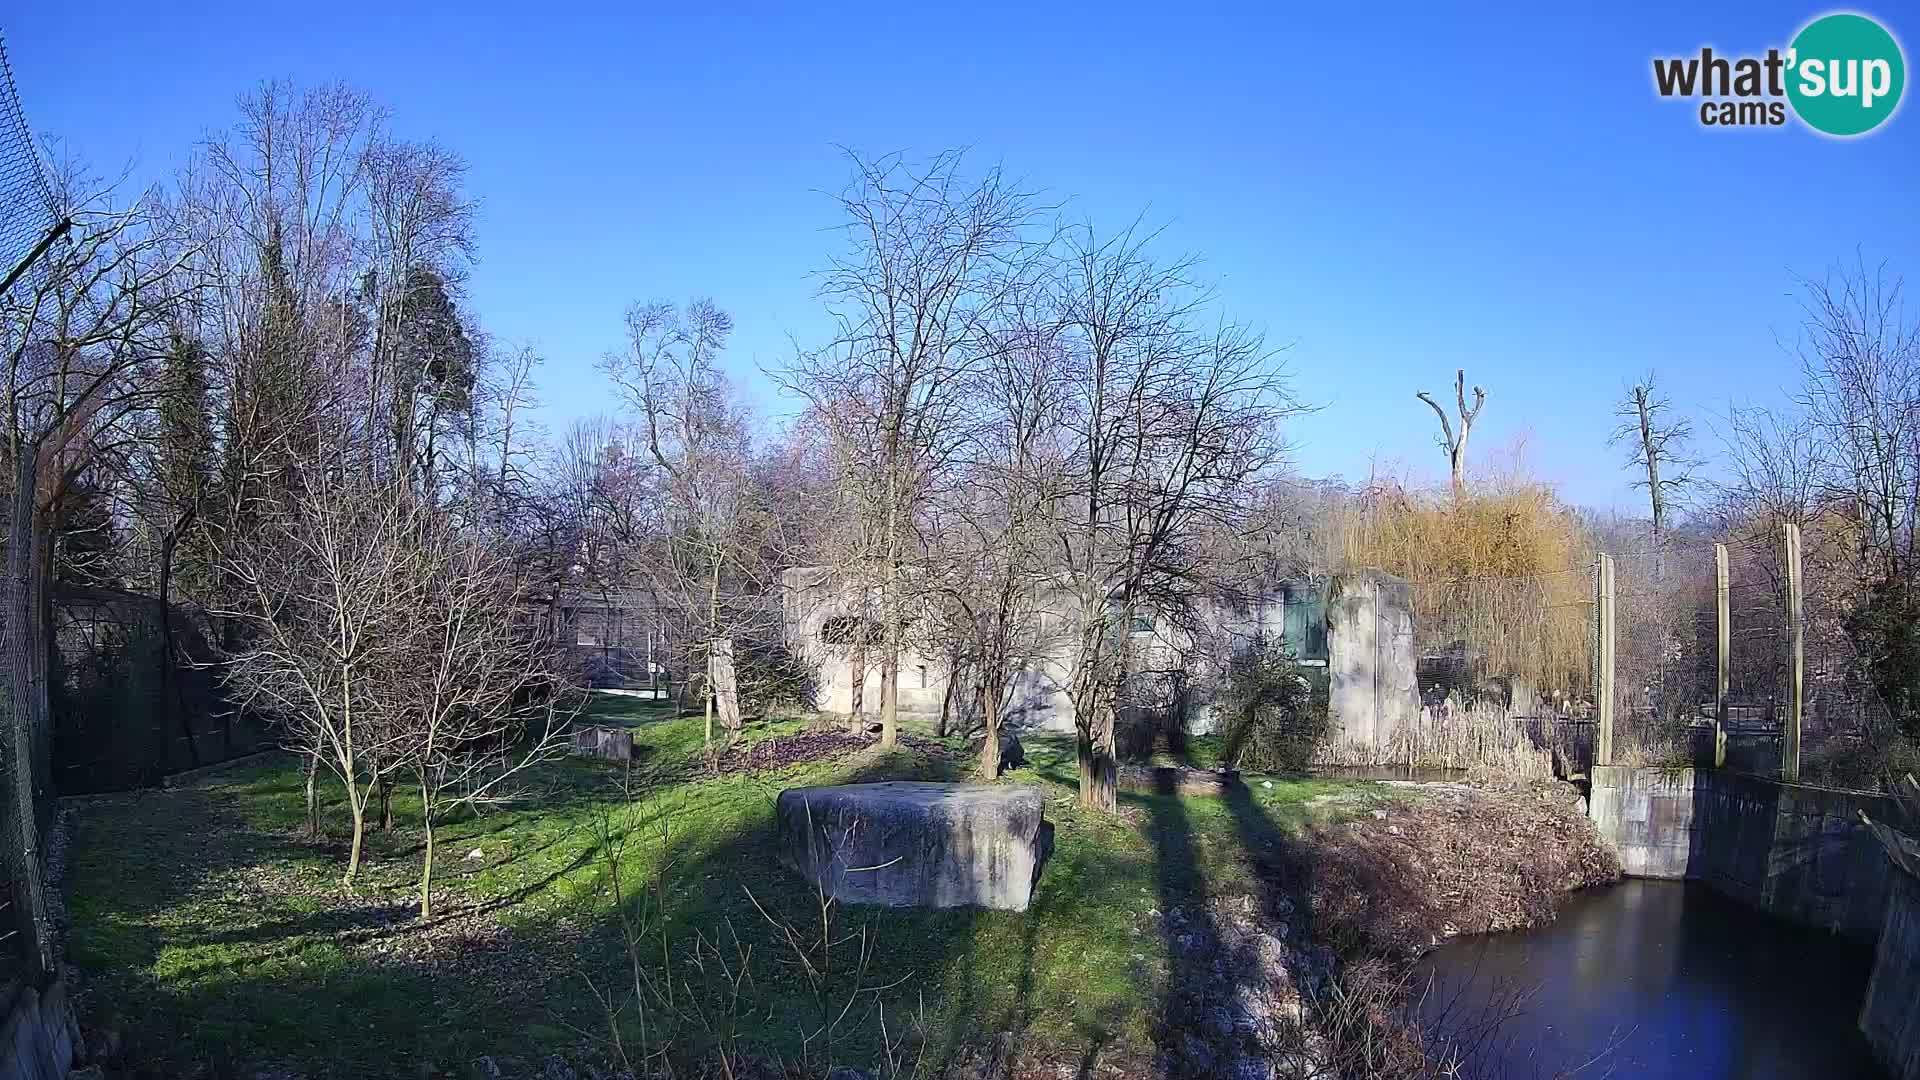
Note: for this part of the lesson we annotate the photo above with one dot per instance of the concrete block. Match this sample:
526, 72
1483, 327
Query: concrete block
910, 844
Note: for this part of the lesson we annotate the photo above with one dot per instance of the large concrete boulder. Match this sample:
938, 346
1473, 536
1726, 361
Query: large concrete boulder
910, 844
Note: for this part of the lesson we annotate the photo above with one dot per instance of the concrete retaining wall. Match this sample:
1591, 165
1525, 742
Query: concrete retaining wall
1374, 694
1890, 1018
1791, 850
39, 1040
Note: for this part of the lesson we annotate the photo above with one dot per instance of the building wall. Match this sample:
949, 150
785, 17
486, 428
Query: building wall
1040, 700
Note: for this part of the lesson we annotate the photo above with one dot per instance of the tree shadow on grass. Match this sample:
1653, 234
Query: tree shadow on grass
534, 969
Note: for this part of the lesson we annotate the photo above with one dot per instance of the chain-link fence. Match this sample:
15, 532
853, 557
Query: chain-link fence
1511, 670
135, 693
27, 208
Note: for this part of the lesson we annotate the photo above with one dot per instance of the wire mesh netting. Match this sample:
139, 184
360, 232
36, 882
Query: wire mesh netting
135, 698
1529, 648
27, 208
1502, 658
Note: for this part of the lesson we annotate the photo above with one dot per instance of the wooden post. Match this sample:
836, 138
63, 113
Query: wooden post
1603, 657
1723, 623
1796, 634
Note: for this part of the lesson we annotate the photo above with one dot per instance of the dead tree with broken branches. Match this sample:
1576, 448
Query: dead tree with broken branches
1455, 444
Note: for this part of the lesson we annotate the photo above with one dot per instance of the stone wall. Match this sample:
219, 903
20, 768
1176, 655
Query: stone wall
1794, 851
1890, 1019
40, 1036
1374, 694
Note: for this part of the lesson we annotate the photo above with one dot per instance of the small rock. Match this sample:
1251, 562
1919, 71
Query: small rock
1266, 783
486, 1069
474, 854
1379, 815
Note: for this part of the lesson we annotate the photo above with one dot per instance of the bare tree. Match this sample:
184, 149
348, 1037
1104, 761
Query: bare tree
479, 695
329, 583
1456, 445
1658, 446
710, 570
929, 255
996, 569
1165, 423
1860, 360
1772, 470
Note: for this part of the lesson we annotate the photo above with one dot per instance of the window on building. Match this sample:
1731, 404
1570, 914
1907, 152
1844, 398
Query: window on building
923, 676
1143, 624
1305, 621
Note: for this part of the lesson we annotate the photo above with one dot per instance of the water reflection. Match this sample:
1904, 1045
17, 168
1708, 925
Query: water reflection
1659, 979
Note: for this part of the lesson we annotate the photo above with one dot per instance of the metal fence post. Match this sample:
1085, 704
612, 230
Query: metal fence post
1603, 657
1796, 633
1723, 622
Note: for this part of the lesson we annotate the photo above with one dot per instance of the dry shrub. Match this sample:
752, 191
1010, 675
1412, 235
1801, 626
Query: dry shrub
1483, 740
1503, 573
1456, 861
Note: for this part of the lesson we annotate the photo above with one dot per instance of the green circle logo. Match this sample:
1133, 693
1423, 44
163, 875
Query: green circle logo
1845, 74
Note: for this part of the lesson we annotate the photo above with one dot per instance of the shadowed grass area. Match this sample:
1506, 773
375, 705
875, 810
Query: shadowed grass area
216, 934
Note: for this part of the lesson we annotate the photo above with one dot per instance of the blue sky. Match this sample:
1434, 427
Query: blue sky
1394, 189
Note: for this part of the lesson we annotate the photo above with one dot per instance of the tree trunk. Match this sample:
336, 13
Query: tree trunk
890, 612
990, 750
31, 919
946, 700
890, 697
857, 689
709, 704
313, 795
357, 806
426, 865
385, 784
1652, 455
713, 616
169, 691
1099, 767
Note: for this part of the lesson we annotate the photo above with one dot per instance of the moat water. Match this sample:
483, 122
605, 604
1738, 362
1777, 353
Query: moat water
1653, 979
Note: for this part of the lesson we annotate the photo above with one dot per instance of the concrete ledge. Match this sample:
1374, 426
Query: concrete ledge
1890, 1017
40, 1035
603, 741
1794, 851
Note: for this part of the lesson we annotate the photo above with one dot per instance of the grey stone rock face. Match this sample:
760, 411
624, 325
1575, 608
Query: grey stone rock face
912, 844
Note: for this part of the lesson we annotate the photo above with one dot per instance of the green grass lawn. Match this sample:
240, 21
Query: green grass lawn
214, 933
